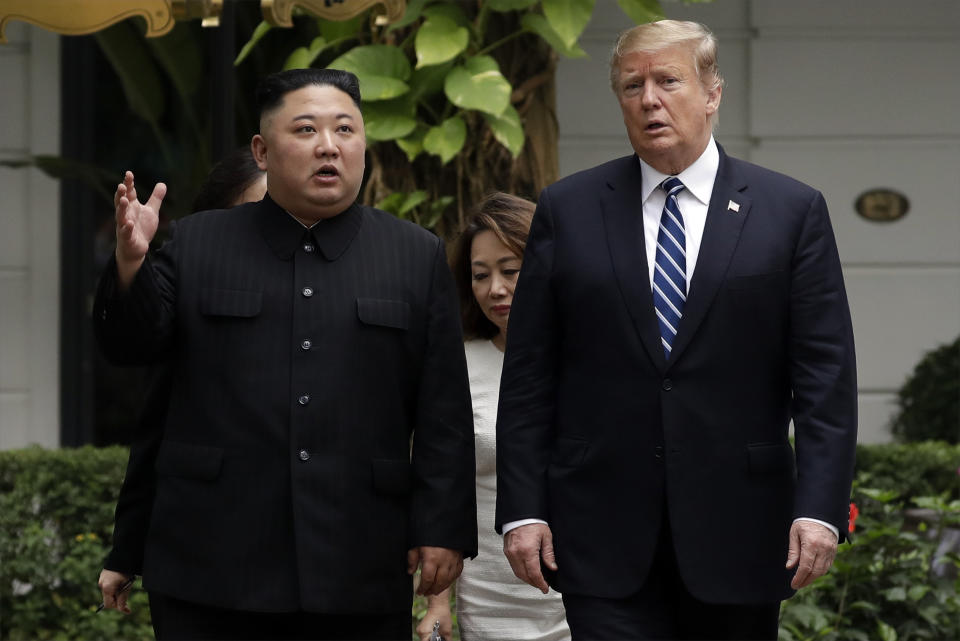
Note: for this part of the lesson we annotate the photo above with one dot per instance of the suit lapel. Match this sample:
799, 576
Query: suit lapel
622, 206
720, 236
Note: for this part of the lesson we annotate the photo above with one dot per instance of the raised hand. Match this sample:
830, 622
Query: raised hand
136, 226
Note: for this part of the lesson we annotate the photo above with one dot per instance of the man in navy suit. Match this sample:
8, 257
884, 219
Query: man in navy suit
676, 309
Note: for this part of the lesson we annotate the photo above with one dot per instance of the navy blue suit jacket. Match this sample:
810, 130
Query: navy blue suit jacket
600, 436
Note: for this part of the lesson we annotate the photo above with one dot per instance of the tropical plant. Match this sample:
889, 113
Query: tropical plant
458, 97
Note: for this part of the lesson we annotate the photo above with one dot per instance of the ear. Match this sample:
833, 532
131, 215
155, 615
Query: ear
713, 100
258, 147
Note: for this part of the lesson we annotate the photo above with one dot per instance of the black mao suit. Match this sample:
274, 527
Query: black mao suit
319, 422
600, 436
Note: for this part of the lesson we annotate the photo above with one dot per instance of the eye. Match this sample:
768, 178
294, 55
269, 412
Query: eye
670, 80
511, 272
305, 129
345, 129
480, 276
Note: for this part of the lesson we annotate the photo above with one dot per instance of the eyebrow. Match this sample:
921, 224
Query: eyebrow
500, 261
314, 116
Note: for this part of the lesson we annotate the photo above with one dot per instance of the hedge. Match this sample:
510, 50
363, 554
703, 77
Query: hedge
56, 520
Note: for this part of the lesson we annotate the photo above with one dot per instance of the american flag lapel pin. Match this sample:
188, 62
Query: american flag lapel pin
734, 207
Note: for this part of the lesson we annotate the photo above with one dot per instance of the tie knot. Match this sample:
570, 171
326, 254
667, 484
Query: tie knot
671, 185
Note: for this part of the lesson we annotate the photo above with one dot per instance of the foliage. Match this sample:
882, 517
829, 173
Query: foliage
929, 400
910, 469
890, 584
457, 97
56, 516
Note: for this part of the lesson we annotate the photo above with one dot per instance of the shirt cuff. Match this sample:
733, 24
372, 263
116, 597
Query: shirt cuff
833, 528
512, 525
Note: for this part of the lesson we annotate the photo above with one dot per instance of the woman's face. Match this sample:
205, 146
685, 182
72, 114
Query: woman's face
494, 269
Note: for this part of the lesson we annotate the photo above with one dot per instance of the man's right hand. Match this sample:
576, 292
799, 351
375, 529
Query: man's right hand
136, 226
524, 547
114, 597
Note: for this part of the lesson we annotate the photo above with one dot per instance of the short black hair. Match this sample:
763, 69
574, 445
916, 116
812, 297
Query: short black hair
273, 88
227, 181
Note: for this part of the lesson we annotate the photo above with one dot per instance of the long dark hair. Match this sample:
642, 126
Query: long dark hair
508, 217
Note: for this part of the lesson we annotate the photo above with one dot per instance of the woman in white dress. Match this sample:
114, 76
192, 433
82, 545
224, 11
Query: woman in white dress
492, 603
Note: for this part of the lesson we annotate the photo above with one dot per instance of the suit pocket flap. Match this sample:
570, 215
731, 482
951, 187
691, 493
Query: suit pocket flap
770, 458
229, 302
199, 462
386, 313
391, 476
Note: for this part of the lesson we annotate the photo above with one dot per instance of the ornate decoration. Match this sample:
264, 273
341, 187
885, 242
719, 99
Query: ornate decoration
279, 13
80, 17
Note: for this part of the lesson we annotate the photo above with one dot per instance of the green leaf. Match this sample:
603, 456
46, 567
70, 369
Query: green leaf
886, 632
135, 69
428, 81
478, 85
336, 29
436, 211
392, 203
303, 57
412, 200
642, 11
895, 594
917, 592
507, 129
447, 10
438, 40
258, 34
538, 24
412, 145
411, 15
381, 69
510, 5
388, 119
446, 140
568, 17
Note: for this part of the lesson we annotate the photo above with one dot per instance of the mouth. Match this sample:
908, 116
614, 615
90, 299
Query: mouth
327, 171
501, 309
655, 126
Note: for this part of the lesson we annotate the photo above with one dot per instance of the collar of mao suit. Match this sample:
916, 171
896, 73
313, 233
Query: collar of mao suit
284, 233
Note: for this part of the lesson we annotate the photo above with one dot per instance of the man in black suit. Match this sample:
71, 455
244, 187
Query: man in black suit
675, 310
318, 444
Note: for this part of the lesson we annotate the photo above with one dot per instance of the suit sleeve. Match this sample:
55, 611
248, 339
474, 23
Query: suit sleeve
444, 500
525, 417
135, 503
823, 374
136, 327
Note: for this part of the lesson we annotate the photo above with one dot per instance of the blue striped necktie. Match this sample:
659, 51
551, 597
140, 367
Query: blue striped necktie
670, 267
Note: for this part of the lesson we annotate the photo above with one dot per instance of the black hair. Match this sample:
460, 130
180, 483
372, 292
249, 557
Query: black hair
227, 181
273, 88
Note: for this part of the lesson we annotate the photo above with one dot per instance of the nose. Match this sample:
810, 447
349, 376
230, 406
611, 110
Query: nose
498, 286
650, 98
326, 145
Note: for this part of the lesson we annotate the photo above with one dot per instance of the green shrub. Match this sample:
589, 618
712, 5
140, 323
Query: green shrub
910, 469
929, 400
56, 520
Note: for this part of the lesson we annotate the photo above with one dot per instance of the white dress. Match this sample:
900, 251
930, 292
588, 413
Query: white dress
492, 603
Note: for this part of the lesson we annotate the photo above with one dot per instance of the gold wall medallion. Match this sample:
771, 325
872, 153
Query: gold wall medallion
882, 205
279, 13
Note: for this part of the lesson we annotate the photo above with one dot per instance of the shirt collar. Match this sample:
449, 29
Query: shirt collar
698, 178
284, 233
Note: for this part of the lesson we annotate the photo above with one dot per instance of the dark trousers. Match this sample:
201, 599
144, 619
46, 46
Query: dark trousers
177, 620
665, 609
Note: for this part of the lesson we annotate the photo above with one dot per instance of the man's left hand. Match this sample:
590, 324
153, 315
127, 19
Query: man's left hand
812, 549
439, 567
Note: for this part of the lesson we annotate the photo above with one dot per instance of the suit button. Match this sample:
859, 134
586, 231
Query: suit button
308, 292
307, 247
658, 451
303, 400
667, 384
304, 455
306, 345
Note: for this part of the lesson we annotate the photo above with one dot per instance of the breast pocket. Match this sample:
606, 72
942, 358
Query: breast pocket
384, 313
230, 302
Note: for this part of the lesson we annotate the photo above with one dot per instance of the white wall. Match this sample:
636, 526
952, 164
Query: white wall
29, 241
846, 96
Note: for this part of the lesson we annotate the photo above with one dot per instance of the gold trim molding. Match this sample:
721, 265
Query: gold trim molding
279, 13
82, 17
